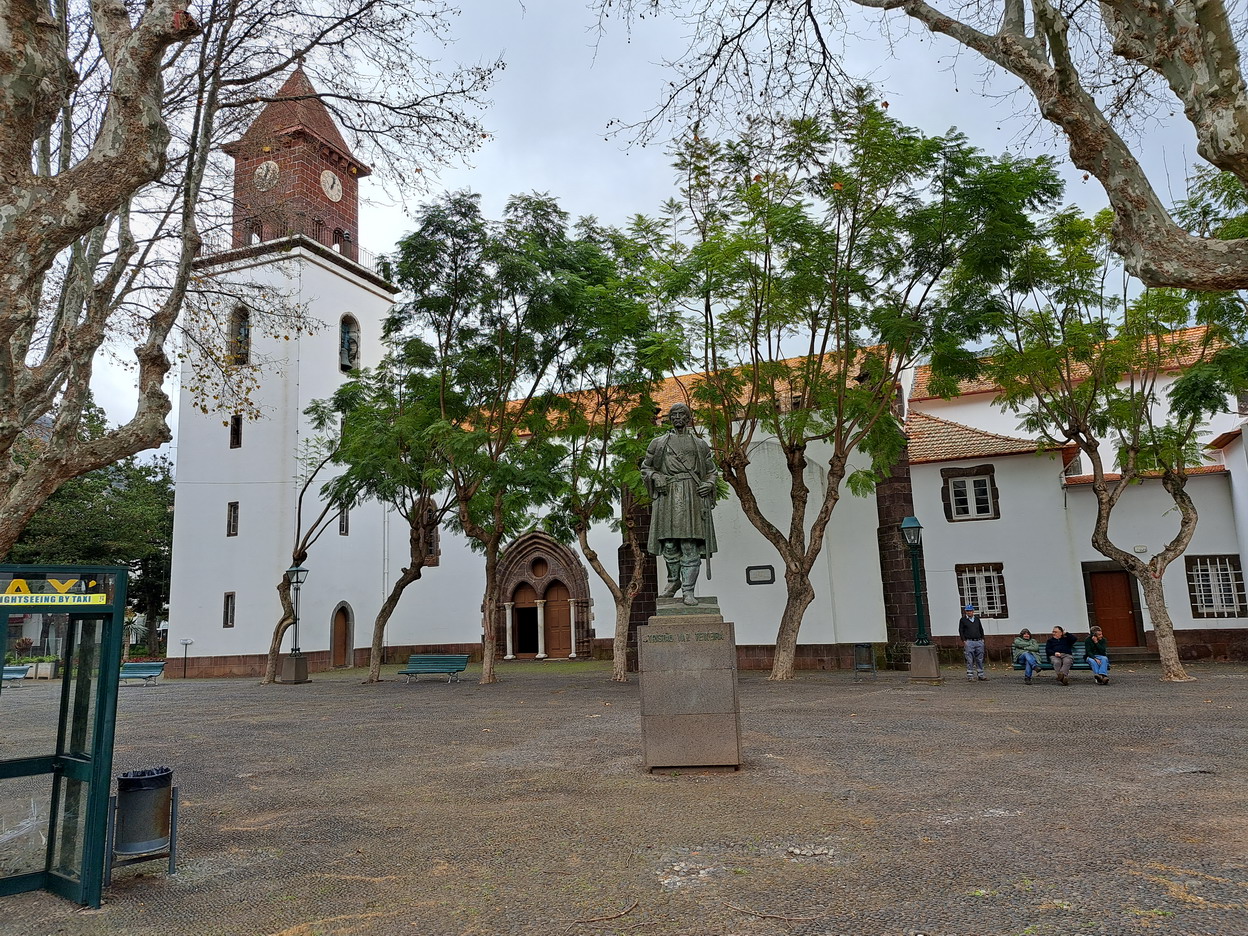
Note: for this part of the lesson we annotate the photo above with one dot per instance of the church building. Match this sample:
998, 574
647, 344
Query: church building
1006, 526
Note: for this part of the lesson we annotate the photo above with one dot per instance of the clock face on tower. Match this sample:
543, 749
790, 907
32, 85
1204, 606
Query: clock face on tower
331, 185
266, 175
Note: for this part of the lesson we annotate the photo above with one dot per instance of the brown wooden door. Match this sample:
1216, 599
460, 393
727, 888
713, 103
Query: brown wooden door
342, 634
1112, 605
558, 620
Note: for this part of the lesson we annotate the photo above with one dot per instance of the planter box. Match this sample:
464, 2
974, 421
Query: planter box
47, 670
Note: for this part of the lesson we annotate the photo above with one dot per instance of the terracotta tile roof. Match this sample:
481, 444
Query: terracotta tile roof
1114, 476
933, 439
1187, 339
297, 109
1225, 439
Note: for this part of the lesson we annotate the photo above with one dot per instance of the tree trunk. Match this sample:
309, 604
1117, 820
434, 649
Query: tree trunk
279, 632
619, 645
409, 575
623, 598
489, 640
799, 595
1163, 628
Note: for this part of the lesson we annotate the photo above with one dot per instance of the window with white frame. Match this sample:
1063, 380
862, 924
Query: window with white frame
969, 493
227, 610
1215, 585
231, 518
983, 586
344, 522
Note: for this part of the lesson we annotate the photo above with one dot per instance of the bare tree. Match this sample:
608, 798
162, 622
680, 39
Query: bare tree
1097, 72
110, 176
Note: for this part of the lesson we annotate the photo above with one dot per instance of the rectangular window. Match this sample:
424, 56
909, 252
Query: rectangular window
227, 611
1215, 585
344, 523
231, 518
970, 493
236, 432
984, 587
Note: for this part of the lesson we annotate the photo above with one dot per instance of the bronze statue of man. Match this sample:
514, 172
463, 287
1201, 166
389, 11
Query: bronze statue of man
680, 478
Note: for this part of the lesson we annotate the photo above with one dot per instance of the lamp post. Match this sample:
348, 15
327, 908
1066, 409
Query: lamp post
295, 668
186, 646
924, 658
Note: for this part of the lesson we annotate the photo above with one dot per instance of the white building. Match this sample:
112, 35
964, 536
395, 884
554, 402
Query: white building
1004, 526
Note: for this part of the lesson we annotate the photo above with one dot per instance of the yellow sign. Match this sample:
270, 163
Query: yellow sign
18, 592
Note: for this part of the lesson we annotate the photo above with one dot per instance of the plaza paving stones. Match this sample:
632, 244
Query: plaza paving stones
521, 808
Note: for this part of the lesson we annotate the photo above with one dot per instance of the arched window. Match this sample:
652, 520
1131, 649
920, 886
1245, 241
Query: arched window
240, 336
254, 231
348, 344
340, 237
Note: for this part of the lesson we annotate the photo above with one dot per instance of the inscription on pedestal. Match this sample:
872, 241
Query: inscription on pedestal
690, 716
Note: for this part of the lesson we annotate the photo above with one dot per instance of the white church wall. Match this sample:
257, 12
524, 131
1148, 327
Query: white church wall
1043, 581
1145, 517
1235, 456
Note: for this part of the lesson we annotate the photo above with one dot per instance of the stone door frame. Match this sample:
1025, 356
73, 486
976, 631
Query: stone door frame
538, 560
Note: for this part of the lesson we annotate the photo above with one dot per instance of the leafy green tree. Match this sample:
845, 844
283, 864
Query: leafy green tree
824, 258
1083, 364
120, 515
389, 455
509, 310
608, 417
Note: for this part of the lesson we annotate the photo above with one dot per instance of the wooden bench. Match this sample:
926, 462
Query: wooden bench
16, 672
144, 671
452, 664
1080, 653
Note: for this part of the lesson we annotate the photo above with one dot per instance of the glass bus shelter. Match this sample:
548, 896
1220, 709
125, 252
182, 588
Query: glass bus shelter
56, 750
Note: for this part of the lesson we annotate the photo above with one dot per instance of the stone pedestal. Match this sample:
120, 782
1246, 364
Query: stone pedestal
925, 665
690, 716
295, 669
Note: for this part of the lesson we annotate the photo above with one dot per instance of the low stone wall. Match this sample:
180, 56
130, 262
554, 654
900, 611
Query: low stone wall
1206, 645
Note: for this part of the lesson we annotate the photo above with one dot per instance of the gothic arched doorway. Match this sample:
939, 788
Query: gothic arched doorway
340, 637
545, 606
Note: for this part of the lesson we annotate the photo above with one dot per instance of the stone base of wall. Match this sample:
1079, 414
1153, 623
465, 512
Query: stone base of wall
1209, 644
1204, 645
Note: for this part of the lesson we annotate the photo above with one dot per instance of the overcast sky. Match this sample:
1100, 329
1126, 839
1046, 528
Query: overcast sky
561, 86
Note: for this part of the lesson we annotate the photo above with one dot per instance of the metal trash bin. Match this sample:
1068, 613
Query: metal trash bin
864, 661
144, 807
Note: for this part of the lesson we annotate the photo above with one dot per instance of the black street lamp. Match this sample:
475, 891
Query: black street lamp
295, 669
924, 658
912, 533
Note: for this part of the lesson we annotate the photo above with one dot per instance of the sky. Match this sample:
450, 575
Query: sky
563, 83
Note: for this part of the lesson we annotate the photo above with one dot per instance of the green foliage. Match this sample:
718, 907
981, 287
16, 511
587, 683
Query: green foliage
121, 515
1079, 362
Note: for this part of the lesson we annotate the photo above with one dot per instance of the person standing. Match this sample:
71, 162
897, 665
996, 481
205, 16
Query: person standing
1026, 651
1060, 649
1097, 648
971, 633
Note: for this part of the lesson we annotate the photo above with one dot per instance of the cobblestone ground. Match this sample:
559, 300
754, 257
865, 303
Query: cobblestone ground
521, 808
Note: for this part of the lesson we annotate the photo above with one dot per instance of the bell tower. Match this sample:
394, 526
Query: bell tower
294, 174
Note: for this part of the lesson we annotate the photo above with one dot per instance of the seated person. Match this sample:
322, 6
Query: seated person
1097, 648
1027, 651
1060, 650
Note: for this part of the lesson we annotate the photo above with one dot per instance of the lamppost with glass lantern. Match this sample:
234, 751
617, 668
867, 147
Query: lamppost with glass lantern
924, 658
295, 668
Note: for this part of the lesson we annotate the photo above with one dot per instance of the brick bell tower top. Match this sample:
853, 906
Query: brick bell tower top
294, 173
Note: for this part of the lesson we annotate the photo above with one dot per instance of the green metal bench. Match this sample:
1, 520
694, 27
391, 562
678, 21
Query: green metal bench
144, 671
15, 673
419, 664
1080, 653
